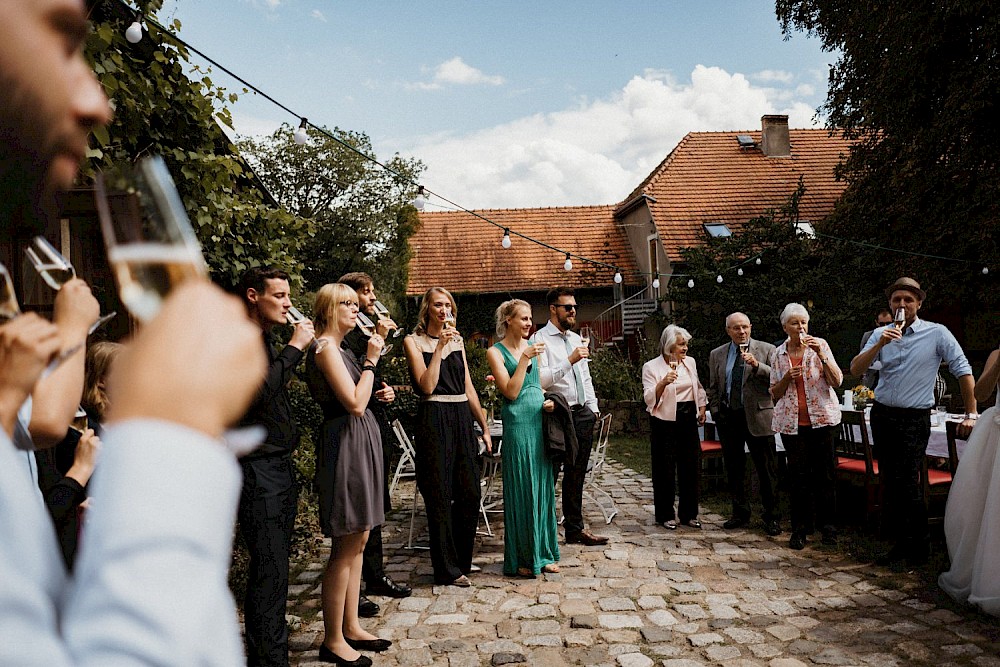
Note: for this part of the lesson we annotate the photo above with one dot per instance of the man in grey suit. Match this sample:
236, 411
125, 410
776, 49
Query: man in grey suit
741, 405
870, 378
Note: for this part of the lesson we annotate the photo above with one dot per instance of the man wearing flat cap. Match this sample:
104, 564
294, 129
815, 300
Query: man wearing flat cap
900, 417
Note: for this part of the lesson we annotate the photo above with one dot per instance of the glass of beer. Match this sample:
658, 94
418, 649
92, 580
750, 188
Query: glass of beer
151, 245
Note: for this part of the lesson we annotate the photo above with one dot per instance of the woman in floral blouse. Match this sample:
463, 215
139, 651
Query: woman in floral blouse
806, 414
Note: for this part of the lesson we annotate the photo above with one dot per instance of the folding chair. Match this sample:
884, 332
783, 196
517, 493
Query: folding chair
490, 498
592, 491
406, 468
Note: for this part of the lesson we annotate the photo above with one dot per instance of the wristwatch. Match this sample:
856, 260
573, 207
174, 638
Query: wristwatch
971, 415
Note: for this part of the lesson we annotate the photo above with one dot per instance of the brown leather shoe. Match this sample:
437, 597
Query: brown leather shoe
586, 538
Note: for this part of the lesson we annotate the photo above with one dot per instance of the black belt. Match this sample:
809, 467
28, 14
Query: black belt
901, 412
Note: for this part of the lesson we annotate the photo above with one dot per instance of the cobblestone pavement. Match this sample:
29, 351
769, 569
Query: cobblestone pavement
656, 597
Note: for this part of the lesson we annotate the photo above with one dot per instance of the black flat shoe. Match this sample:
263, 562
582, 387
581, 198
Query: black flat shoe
367, 608
772, 528
376, 645
326, 655
670, 525
797, 541
693, 523
388, 587
735, 523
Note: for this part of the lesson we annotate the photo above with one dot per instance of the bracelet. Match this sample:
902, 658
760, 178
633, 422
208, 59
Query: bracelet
368, 368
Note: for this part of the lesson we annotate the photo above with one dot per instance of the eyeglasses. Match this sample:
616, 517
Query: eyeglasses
567, 306
349, 304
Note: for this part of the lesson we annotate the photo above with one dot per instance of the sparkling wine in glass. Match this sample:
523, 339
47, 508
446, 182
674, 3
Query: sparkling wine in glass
294, 316
368, 328
151, 245
586, 335
9, 308
672, 362
80, 421
56, 271
383, 315
449, 319
899, 319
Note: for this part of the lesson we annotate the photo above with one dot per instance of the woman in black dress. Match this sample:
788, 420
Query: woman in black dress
446, 443
348, 471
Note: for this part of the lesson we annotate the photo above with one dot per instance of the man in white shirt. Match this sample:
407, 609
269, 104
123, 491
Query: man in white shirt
566, 372
149, 586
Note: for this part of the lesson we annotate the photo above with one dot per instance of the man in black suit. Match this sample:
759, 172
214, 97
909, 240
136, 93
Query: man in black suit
740, 400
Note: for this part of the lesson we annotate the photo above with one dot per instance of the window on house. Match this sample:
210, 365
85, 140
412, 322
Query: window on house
805, 228
717, 229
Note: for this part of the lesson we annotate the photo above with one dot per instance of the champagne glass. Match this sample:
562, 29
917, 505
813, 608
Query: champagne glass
586, 335
80, 421
368, 328
150, 243
9, 309
899, 318
294, 317
383, 314
450, 322
672, 362
56, 271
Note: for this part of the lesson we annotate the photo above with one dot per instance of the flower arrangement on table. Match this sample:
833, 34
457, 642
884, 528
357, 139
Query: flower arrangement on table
490, 402
862, 397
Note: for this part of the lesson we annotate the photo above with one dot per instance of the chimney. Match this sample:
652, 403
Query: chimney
774, 136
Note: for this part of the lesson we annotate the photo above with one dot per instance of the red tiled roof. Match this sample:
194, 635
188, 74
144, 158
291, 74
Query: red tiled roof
461, 252
709, 178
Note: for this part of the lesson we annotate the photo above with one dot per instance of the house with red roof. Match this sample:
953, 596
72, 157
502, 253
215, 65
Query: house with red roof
710, 183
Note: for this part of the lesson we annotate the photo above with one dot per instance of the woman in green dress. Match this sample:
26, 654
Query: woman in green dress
531, 534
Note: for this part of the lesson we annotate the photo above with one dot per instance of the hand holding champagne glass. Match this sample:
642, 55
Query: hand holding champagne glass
150, 243
56, 270
295, 317
368, 329
383, 315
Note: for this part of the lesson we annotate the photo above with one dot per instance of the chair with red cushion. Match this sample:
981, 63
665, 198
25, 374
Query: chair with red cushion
937, 483
856, 464
712, 465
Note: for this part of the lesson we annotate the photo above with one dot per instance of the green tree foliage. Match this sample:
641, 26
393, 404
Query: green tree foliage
916, 84
160, 109
362, 215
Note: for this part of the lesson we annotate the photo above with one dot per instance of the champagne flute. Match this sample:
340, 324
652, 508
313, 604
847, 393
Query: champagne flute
450, 322
150, 243
9, 309
672, 362
294, 316
585, 336
383, 314
899, 318
368, 328
56, 271
80, 421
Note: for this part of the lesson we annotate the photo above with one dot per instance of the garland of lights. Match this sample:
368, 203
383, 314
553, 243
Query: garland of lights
133, 34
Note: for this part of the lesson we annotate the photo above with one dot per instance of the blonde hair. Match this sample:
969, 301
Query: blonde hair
96, 369
424, 315
328, 298
507, 310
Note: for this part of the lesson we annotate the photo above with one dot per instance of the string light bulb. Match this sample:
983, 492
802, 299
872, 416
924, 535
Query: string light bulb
568, 264
300, 134
618, 277
133, 34
690, 282
718, 278
656, 282
739, 271
757, 261
420, 200
505, 241
986, 270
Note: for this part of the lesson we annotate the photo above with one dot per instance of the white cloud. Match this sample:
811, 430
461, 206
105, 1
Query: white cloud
773, 76
599, 151
316, 14
457, 73
272, 3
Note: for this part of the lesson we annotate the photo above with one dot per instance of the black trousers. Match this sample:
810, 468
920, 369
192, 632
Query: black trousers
813, 478
267, 516
901, 435
734, 434
675, 451
448, 479
372, 562
575, 472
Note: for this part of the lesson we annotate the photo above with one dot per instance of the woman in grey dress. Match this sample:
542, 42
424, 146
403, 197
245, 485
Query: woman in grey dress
349, 470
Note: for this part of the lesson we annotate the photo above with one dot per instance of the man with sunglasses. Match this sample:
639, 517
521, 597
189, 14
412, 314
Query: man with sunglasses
567, 373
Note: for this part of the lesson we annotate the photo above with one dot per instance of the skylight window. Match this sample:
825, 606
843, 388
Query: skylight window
805, 228
717, 229
745, 141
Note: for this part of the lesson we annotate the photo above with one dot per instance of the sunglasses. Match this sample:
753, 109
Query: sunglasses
567, 306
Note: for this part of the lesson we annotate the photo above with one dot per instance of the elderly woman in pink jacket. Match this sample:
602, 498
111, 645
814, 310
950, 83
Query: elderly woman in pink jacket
676, 404
806, 414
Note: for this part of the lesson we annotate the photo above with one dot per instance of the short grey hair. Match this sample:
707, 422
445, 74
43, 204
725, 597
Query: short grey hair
793, 309
670, 336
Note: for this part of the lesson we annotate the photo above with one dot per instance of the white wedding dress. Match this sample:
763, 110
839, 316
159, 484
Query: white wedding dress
972, 520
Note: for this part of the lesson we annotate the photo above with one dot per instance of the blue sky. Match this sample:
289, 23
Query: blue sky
514, 104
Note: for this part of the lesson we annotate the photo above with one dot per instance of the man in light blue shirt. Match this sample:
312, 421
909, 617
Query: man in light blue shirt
900, 419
